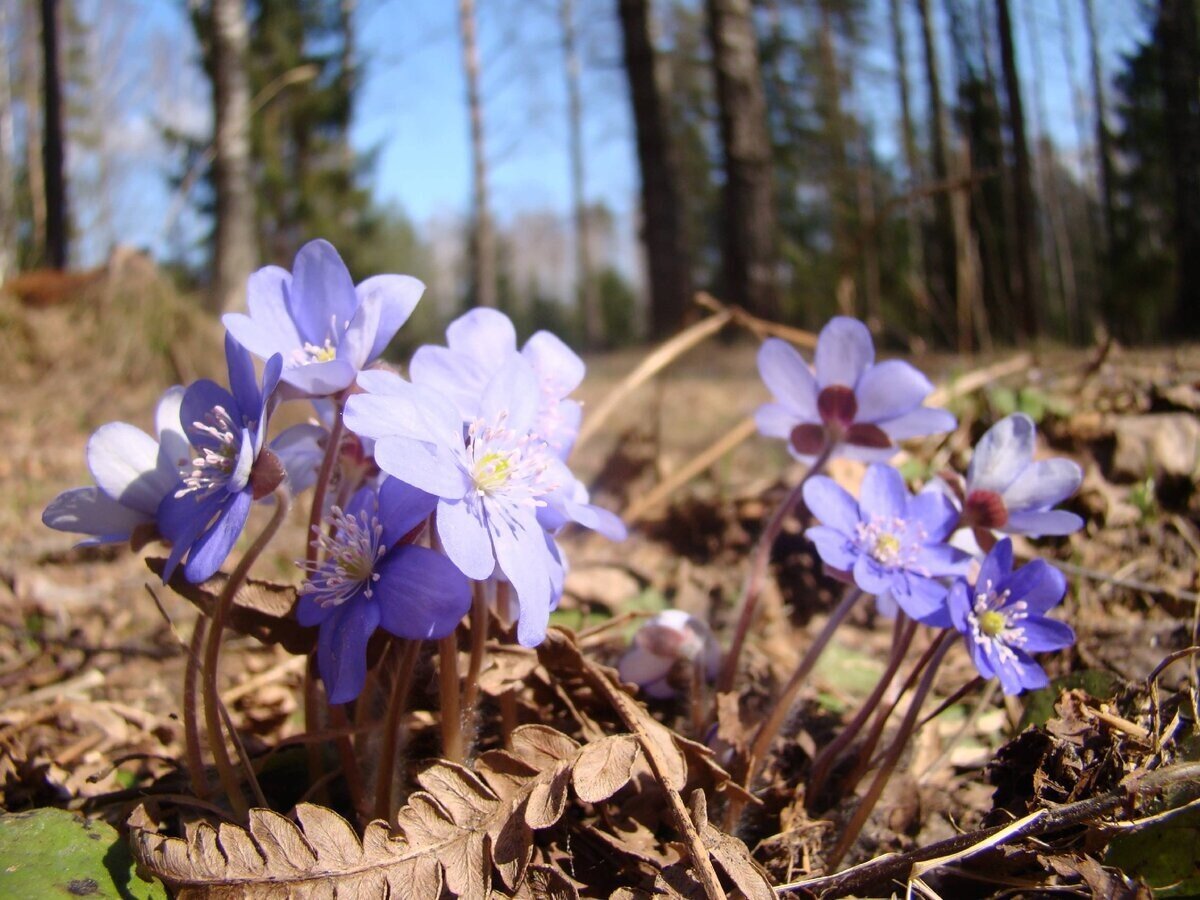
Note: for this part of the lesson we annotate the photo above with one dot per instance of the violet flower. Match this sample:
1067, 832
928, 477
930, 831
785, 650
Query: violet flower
1002, 617
208, 509
491, 478
370, 578
861, 407
133, 472
324, 327
890, 542
664, 641
1007, 491
478, 344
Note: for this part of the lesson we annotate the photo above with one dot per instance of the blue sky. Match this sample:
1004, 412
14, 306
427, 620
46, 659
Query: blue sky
412, 108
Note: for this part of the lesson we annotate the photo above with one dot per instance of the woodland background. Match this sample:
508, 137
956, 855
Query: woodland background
960, 173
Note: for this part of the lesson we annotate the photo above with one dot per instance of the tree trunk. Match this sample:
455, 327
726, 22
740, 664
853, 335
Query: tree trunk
483, 236
585, 284
667, 256
234, 251
1103, 137
1181, 96
918, 278
54, 138
943, 252
750, 252
841, 187
1027, 284
31, 99
8, 169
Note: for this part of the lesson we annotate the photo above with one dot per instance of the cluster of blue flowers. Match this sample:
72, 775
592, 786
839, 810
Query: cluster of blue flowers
453, 476
903, 548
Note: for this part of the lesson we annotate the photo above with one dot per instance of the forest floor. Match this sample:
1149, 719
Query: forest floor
93, 648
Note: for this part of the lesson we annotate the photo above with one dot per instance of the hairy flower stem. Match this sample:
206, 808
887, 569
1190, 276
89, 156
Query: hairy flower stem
397, 703
191, 723
452, 733
351, 770
866, 753
850, 834
769, 729
823, 764
759, 563
483, 593
212, 652
321, 488
313, 750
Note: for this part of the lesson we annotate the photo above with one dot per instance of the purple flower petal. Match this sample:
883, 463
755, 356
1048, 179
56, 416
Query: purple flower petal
920, 422
513, 392
465, 539
522, 557
1039, 584
831, 504
199, 400
422, 465
835, 550
935, 512
322, 301
997, 566
243, 382
883, 493
558, 367
124, 461
89, 510
266, 299
958, 601
920, 598
300, 449
453, 374
844, 351
342, 650
1053, 522
1001, 454
355, 345
890, 389
483, 334
647, 670
789, 379
940, 560
211, 548
870, 576
398, 296
402, 508
1043, 635
1020, 674
173, 446
310, 613
321, 379
420, 594
383, 415
775, 420
1043, 484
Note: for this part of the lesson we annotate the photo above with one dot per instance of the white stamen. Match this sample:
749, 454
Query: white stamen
995, 622
213, 468
894, 543
503, 463
351, 554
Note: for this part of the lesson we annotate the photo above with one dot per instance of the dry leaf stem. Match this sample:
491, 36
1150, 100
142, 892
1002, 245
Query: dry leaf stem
850, 833
902, 635
452, 735
748, 604
191, 722
230, 782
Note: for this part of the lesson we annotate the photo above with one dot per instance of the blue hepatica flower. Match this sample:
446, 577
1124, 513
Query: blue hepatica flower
861, 406
371, 579
890, 542
1007, 491
324, 327
479, 343
133, 472
492, 479
669, 638
207, 511
1002, 616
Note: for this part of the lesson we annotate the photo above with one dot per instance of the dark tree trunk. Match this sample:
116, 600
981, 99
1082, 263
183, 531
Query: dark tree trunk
912, 210
483, 236
1026, 284
54, 138
667, 253
234, 251
585, 285
1103, 138
750, 251
1181, 98
943, 255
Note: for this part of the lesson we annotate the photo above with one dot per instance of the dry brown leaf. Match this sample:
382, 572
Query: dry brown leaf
541, 746
322, 857
604, 767
547, 883
261, 609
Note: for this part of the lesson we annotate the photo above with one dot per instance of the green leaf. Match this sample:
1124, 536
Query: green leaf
53, 853
1165, 854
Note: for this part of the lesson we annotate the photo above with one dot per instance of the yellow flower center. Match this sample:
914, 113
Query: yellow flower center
887, 548
491, 471
992, 623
